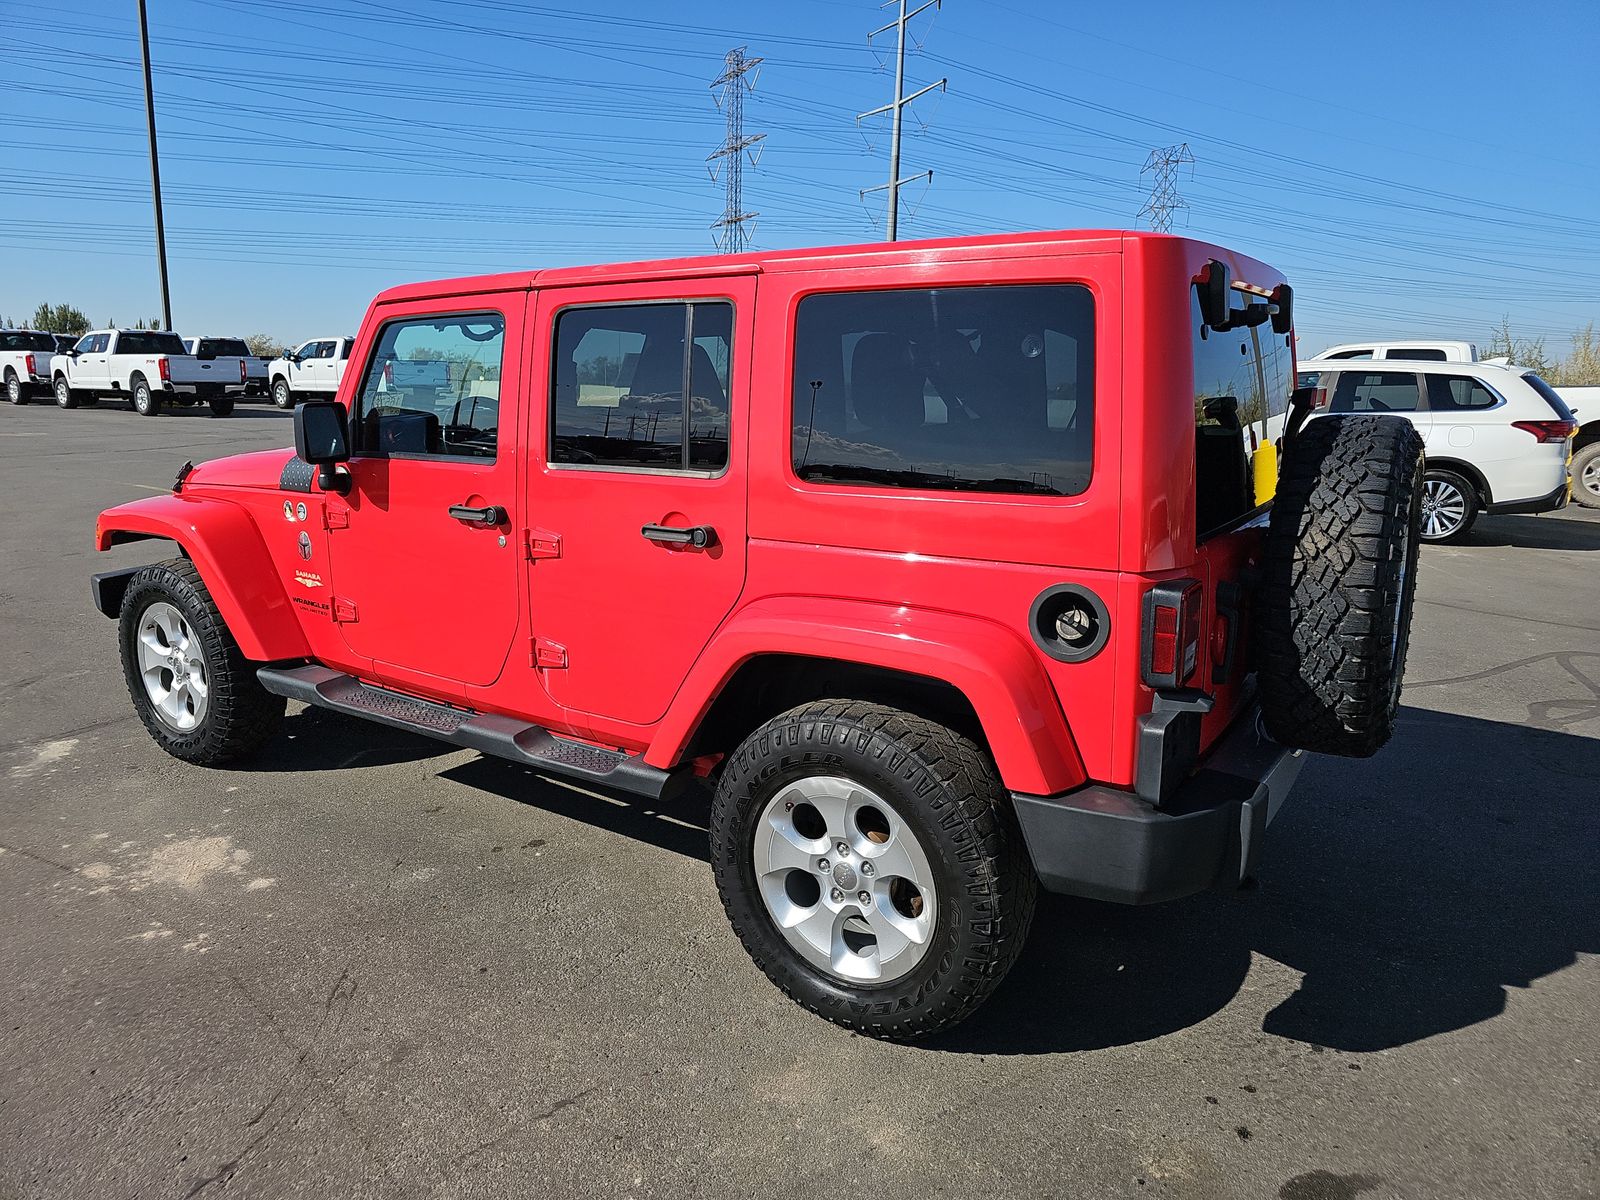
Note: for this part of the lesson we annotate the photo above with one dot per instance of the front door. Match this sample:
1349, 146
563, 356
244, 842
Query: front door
425, 567
636, 486
93, 369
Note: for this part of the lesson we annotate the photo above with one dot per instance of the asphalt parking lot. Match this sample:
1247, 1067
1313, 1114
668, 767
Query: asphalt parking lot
370, 965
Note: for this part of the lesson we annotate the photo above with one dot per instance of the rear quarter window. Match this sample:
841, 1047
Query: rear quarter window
972, 389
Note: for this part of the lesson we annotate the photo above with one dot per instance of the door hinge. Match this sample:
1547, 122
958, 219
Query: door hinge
541, 543
546, 655
344, 610
335, 516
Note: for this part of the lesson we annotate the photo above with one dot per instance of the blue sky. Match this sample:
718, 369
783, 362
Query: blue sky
1414, 168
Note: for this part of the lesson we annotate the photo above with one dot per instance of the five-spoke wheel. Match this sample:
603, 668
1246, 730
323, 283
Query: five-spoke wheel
172, 666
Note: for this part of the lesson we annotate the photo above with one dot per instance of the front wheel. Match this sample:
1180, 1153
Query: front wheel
1586, 476
66, 397
195, 692
869, 861
1449, 507
145, 402
15, 392
282, 397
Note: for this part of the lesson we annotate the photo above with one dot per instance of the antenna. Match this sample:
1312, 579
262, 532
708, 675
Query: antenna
735, 81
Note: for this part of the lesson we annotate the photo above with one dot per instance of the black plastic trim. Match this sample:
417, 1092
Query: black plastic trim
1168, 744
296, 476
1543, 504
490, 733
1108, 844
1041, 624
109, 587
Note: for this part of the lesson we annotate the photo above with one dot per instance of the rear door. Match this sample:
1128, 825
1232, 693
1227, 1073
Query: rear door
1382, 393
636, 486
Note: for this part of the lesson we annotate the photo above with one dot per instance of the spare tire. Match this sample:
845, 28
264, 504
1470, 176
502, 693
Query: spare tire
1339, 575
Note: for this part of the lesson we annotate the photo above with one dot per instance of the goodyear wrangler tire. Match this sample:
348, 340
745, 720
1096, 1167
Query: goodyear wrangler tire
870, 863
1339, 581
195, 692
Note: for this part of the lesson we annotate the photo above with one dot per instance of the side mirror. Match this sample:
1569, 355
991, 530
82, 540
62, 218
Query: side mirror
322, 438
1216, 294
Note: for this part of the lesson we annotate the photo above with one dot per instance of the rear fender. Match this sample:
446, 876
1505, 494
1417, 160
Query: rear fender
989, 664
222, 541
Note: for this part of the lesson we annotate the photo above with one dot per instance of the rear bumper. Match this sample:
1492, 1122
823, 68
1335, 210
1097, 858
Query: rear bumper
1108, 844
1542, 504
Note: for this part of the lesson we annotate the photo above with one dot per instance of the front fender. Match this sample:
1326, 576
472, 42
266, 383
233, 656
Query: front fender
222, 541
988, 663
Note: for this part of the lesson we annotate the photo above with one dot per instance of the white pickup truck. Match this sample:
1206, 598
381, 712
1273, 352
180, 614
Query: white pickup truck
255, 367
310, 371
145, 367
25, 363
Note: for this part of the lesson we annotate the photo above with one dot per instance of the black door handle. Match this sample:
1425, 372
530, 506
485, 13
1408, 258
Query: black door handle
489, 514
698, 536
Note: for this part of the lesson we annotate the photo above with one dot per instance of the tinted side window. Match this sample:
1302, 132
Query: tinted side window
1458, 393
432, 387
1375, 392
1418, 353
345, 346
979, 389
1352, 354
642, 385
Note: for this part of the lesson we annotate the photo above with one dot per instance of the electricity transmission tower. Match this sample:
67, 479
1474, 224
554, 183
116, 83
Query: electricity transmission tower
735, 81
1164, 197
897, 108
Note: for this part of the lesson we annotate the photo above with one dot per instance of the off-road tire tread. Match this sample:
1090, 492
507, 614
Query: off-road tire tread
953, 780
1329, 598
242, 715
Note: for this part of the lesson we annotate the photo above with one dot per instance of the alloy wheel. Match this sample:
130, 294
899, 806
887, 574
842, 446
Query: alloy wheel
1444, 508
172, 666
845, 880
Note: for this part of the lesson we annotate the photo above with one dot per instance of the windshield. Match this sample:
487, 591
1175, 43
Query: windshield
27, 341
222, 348
137, 341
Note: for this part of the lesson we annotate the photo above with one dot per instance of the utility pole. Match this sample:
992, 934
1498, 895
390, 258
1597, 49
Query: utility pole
155, 167
734, 81
897, 108
1164, 198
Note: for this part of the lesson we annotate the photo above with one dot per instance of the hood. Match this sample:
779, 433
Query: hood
262, 469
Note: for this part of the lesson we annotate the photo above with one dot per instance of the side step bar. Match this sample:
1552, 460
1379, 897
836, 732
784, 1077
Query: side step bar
490, 733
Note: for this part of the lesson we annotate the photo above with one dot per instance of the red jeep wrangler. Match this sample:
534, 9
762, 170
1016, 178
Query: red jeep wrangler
955, 565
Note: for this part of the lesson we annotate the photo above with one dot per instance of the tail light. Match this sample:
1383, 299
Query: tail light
1547, 432
241, 370
165, 368
31, 366
1172, 633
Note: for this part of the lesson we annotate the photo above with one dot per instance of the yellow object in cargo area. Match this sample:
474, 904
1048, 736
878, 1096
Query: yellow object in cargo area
1265, 464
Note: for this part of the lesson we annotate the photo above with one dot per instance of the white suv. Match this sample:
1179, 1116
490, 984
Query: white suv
1497, 439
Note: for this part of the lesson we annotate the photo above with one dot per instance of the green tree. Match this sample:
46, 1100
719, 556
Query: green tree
1524, 352
60, 318
1581, 368
265, 345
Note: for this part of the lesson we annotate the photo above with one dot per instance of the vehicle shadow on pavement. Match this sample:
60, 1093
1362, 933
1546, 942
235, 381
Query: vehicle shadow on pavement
1409, 890
315, 739
1534, 533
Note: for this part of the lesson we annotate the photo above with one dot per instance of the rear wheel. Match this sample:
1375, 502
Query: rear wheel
1449, 506
221, 406
870, 863
1586, 475
1339, 581
15, 392
145, 401
192, 688
282, 397
66, 396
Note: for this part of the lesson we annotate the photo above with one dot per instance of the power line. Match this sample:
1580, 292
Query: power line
1164, 199
734, 81
896, 108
